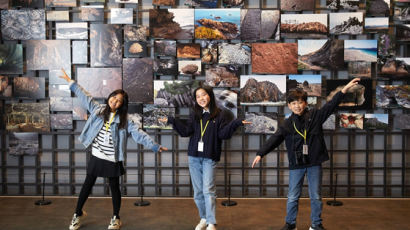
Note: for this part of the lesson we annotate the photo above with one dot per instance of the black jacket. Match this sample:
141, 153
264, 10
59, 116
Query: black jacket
219, 128
312, 120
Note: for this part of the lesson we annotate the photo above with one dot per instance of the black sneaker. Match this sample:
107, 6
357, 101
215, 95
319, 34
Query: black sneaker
319, 227
289, 227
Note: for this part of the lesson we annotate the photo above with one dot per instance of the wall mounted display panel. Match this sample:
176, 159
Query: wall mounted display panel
29, 87
151, 115
136, 33
403, 32
188, 67
268, 90
221, 24
189, 50
360, 69
60, 3
360, 50
262, 123
386, 45
79, 112
376, 25
303, 26
378, 7
121, 16
100, 82
393, 96
135, 114
222, 76
72, 30
250, 24
135, 49
61, 104
320, 54
27, 117
310, 83
401, 13
209, 51
346, 23
233, 3
4, 4
48, 54
171, 23
59, 91
234, 53
393, 68
6, 88
166, 66
105, 45
80, 52
138, 79
27, 4
270, 25
175, 93
351, 120
163, 2
376, 121
330, 123
202, 3
11, 58
227, 99
343, 4
297, 5
357, 97
401, 121
127, 1
58, 15
31, 26
165, 48
274, 58
61, 121
54, 76
92, 13
23, 144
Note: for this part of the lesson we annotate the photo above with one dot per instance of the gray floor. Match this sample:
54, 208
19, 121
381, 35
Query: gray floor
20, 213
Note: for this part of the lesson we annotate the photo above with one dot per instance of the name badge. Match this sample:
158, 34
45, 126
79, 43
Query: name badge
200, 146
305, 150
106, 139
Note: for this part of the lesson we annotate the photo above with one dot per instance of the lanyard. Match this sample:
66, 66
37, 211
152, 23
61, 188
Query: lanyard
108, 125
203, 129
304, 136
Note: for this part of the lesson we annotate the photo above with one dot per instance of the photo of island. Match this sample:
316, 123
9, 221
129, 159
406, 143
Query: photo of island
303, 25
220, 24
360, 50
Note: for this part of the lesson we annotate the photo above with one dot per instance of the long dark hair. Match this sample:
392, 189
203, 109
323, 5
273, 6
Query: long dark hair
213, 109
122, 111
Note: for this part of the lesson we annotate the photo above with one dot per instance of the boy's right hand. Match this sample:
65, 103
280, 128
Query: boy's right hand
65, 76
349, 85
163, 119
256, 160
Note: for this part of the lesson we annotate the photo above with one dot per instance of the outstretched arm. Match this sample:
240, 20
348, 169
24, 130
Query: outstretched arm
185, 130
273, 142
141, 137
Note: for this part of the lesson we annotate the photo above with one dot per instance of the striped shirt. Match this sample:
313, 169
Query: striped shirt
101, 149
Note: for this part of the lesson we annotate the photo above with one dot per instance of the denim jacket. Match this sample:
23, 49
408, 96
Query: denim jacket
96, 121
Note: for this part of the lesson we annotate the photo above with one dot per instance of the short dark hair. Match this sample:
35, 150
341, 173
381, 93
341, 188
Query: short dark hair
296, 95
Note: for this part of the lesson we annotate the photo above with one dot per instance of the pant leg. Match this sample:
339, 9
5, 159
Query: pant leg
85, 192
209, 189
296, 177
314, 176
115, 194
195, 170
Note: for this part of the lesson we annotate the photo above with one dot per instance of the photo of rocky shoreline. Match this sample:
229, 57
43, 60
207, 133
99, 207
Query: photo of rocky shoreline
320, 54
171, 23
220, 24
22, 144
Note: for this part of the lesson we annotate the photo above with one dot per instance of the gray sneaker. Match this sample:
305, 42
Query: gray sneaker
76, 221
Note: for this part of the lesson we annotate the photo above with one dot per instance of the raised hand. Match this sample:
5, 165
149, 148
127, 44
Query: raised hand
163, 119
245, 122
256, 160
65, 76
349, 85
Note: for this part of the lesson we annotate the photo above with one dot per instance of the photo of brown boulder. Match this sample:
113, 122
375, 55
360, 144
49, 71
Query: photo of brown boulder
191, 50
222, 76
171, 23
297, 5
192, 67
209, 50
394, 68
274, 58
269, 90
163, 2
303, 26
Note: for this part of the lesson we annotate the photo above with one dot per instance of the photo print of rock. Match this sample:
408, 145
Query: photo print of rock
71, 30
403, 32
105, 45
393, 68
136, 33
401, 13
190, 67
80, 52
175, 93
92, 13
310, 83
58, 15
152, 113
303, 26
54, 76
330, 123
4, 4
357, 97
234, 53
351, 120
23, 144
268, 90
393, 96
343, 4
202, 3
401, 121
346, 23
360, 69
171, 23
223, 76
127, 1
29, 87
189, 50
250, 24
135, 112
376, 25
163, 2
27, 117
233, 3
135, 49
297, 5
79, 112
270, 25
99, 82
5, 86
61, 121
121, 16
220, 24
227, 99
209, 51
262, 123
376, 121
360, 50
386, 45
378, 7
31, 24
274, 58
11, 59
61, 3
48, 54
61, 103
166, 66
321, 54
165, 48
138, 79
59, 91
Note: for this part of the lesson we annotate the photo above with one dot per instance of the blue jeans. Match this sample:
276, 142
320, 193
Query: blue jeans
203, 172
296, 177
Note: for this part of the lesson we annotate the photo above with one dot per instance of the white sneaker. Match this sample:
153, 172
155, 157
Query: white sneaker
115, 223
211, 227
201, 225
76, 221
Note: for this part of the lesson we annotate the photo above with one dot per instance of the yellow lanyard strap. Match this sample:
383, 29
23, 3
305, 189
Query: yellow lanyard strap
108, 125
203, 129
304, 136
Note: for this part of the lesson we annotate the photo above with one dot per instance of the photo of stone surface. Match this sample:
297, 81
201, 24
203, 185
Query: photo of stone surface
378, 7
151, 115
268, 90
357, 97
79, 112
222, 76
330, 123
27, 117
100, 82
262, 123
209, 50
360, 69
29, 87
401, 121
105, 45
250, 24
346, 23
71, 30
80, 52
310, 83
386, 45
320, 54
360, 50
135, 112
297, 5
343, 4
4, 4
351, 120
403, 32
171, 23
303, 25
174, 93
121, 16
393, 68
136, 33
163, 2
48, 54
58, 15
166, 66
61, 3
61, 121
54, 76
189, 50
376, 24
202, 3
393, 96
11, 58
5, 87
401, 13
26, 4
270, 24
189, 67
138, 79
135, 49
92, 13
234, 54
275, 58
59, 91
220, 24
233, 3
23, 144
165, 48
376, 121
61, 104
23, 24
227, 99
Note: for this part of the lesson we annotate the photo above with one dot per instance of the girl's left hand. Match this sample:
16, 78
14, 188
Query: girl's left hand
245, 122
162, 149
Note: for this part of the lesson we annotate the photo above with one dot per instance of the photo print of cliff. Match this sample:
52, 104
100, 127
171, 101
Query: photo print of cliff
105, 45
351, 120
31, 26
220, 24
48, 54
23, 144
359, 69
138, 79
378, 7
121, 16
360, 50
402, 32
297, 5
6, 88
165, 48
239, 53
80, 52
310, 83
60, 3
71, 30
401, 121
202, 3
61, 103
303, 26
175, 93
262, 123
136, 33
401, 13
60, 16
346, 23
268, 90
233, 3
166, 66
321, 54
171, 23
29, 87
27, 117
11, 59
270, 25
357, 97
343, 4
376, 25
227, 99
274, 58
100, 82
376, 121
92, 13
135, 49
190, 67
152, 113
79, 112
209, 51
393, 96
386, 45
61, 121
223, 76
250, 24
189, 50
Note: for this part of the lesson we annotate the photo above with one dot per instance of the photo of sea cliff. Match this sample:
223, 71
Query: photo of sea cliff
220, 24
360, 50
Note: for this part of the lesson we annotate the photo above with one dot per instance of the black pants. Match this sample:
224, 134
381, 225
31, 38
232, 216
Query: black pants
86, 190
